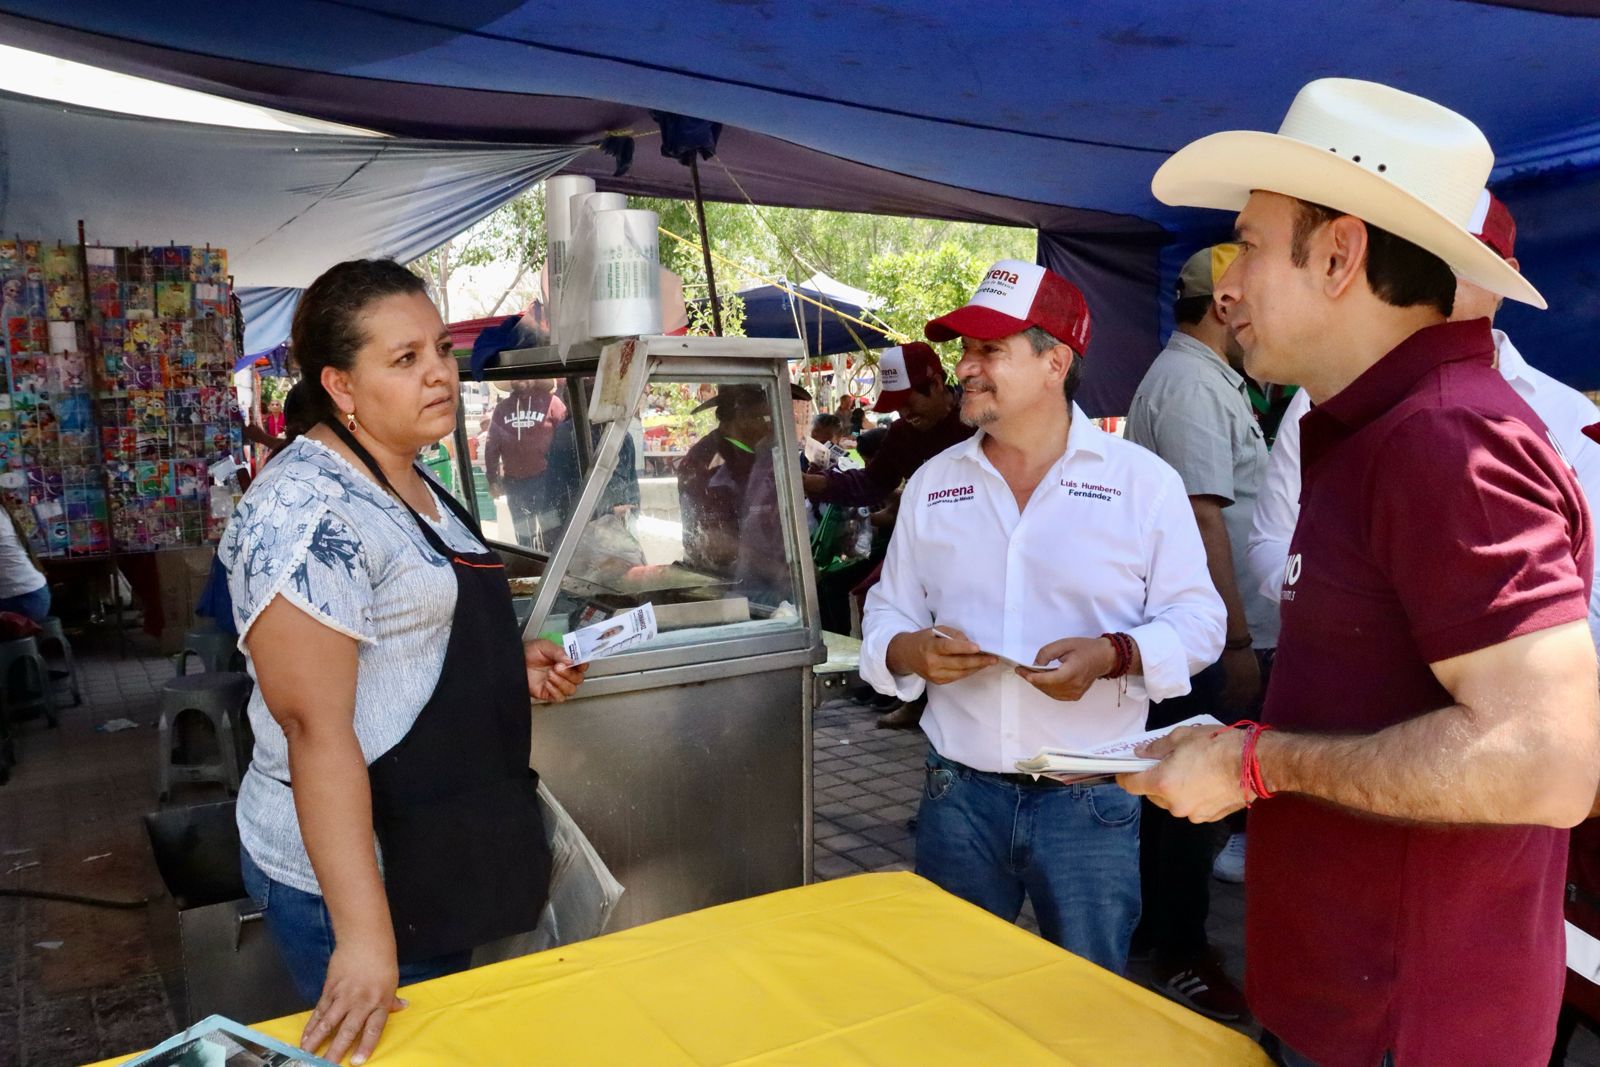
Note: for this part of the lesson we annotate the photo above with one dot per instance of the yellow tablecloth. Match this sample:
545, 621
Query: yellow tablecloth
876, 969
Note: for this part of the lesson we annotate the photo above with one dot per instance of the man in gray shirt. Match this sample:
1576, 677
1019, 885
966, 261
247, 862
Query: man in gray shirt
1192, 410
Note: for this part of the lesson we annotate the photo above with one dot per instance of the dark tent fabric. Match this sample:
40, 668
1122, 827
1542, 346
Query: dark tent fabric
773, 311
1033, 113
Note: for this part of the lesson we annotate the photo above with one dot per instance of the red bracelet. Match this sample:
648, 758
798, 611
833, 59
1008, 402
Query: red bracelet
1250, 779
1122, 645
1250, 763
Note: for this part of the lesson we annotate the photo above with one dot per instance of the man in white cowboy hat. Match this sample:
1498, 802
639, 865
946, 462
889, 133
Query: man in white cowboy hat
1047, 541
1434, 694
1564, 410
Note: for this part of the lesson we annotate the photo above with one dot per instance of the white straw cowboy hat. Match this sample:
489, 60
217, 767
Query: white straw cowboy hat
1402, 163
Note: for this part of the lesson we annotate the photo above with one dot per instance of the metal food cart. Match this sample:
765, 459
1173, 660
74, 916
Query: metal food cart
686, 760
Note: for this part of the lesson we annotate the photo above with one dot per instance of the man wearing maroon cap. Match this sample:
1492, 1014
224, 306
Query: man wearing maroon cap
1433, 708
1045, 541
915, 387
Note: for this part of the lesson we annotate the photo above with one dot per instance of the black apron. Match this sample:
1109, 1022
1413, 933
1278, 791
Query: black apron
454, 803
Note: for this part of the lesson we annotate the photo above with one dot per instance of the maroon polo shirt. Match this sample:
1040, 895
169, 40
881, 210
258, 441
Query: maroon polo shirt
1435, 520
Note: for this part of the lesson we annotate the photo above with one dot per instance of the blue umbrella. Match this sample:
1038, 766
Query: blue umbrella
772, 311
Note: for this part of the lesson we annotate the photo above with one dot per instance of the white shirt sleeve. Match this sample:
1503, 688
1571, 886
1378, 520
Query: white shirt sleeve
1278, 506
897, 604
1186, 622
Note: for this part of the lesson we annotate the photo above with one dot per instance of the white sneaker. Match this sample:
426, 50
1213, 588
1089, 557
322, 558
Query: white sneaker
1229, 864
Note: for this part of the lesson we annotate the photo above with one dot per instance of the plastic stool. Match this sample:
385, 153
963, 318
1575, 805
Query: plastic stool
218, 652
54, 635
218, 695
24, 652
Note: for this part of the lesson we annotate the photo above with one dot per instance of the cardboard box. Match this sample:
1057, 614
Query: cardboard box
182, 573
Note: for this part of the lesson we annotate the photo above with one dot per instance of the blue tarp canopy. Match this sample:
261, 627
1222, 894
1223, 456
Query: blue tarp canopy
775, 311
1034, 113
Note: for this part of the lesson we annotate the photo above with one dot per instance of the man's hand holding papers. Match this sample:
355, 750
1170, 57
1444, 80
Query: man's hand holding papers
940, 655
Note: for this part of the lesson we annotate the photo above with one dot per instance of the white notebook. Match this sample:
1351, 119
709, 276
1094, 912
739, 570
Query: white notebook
1115, 757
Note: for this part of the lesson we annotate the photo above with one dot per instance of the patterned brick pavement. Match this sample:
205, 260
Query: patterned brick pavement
79, 983
866, 783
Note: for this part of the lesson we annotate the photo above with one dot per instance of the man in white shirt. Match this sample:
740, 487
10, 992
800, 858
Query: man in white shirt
1047, 541
1565, 412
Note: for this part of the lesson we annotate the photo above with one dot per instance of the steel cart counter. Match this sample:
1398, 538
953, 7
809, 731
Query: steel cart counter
687, 761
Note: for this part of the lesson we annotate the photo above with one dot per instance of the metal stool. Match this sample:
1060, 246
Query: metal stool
21, 655
218, 695
54, 635
217, 651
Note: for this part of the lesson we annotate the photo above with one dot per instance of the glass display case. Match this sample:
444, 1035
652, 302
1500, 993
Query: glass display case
687, 758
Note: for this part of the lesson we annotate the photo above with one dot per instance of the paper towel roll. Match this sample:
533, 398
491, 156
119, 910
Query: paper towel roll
558, 194
591, 202
627, 284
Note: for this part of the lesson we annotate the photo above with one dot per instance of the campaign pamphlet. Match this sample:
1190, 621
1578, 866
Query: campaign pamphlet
220, 1042
1116, 757
610, 636
1005, 661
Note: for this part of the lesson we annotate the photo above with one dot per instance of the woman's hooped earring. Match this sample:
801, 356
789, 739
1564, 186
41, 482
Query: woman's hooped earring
350, 420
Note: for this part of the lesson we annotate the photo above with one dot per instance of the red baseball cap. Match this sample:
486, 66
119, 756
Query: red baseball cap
1013, 296
1493, 225
902, 369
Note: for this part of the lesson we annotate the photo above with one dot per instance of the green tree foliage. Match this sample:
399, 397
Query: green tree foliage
513, 233
703, 324
922, 284
734, 235
920, 267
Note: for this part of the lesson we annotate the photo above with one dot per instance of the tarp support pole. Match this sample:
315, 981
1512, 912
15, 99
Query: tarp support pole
705, 245
97, 379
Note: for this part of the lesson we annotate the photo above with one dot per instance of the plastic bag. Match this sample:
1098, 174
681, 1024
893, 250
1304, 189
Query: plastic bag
583, 892
607, 549
569, 318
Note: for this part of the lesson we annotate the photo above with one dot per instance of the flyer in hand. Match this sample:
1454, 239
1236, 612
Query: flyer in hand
610, 636
220, 1042
1116, 757
1005, 661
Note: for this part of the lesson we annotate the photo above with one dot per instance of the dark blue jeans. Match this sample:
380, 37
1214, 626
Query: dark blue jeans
1073, 850
35, 604
300, 924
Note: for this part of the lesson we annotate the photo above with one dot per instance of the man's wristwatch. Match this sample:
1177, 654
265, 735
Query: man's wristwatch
1237, 644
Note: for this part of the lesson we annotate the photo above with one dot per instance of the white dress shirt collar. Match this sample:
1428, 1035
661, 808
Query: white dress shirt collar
1082, 435
1513, 368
